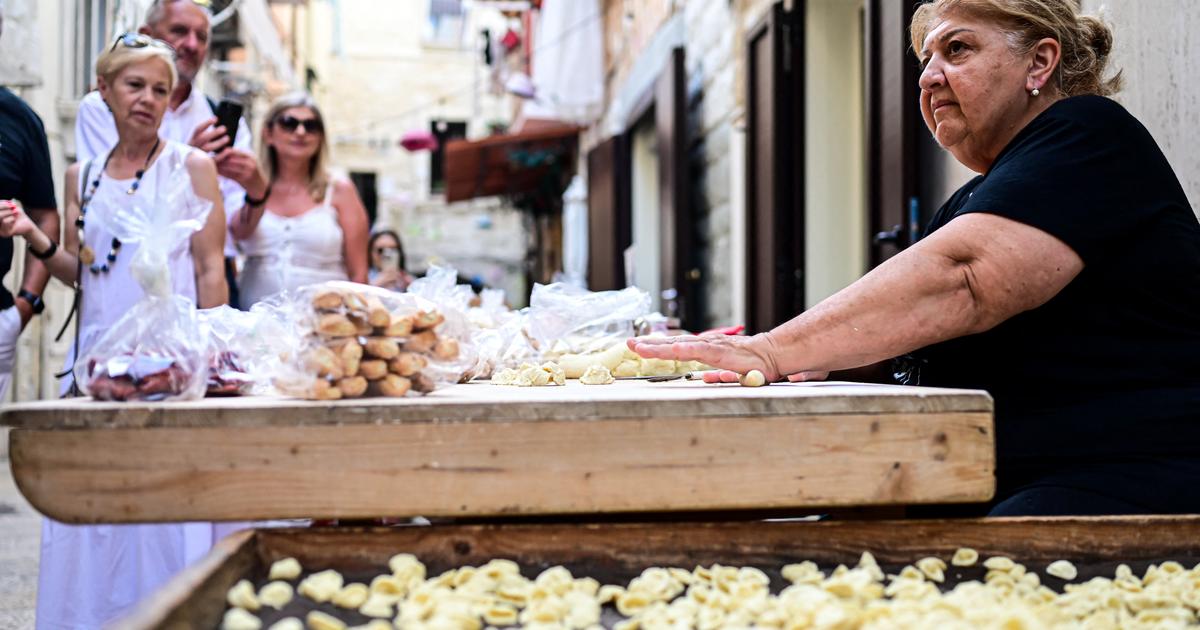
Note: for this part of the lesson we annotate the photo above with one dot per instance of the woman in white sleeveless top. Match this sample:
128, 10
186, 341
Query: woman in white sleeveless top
92, 574
306, 227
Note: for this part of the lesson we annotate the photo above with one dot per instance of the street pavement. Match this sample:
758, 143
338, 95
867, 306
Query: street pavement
20, 534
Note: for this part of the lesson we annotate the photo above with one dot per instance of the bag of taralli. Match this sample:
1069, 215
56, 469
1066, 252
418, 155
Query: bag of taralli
357, 340
155, 351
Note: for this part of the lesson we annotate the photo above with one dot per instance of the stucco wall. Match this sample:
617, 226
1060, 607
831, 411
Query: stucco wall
1158, 48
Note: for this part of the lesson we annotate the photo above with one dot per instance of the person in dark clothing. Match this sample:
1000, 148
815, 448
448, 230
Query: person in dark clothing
26, 180
1064, 279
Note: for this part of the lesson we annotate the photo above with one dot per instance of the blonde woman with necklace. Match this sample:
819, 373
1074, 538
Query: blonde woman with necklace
300, 226
93, 574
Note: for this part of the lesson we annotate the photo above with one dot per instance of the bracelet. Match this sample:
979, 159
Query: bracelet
46, 255
251, 201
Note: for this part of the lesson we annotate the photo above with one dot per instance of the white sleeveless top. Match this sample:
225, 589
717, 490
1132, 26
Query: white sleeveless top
285, 253
108, 296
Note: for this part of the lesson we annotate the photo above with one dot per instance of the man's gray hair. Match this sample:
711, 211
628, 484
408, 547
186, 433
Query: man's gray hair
158, 10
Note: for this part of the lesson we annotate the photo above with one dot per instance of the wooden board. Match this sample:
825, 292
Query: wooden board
618, 552
479, 450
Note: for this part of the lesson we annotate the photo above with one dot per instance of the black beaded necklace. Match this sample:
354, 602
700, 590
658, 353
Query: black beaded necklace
86, 255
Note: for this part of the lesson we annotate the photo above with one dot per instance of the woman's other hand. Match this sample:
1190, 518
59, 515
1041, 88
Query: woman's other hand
731, 355
13, 220
394, 279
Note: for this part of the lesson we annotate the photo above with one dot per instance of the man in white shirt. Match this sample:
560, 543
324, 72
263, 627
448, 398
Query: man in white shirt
186, 26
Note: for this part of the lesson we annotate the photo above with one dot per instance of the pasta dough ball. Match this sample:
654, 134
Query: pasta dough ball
596, 374
318, 620
507, 376
351, 596
753, 378
965, 557
276, 594
321, 587
557, 376
286, 569
287, 623
242, 596
1063, 570
627, 368
239, 619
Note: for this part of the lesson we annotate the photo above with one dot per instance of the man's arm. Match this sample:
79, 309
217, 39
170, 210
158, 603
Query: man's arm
37, 190
36, 275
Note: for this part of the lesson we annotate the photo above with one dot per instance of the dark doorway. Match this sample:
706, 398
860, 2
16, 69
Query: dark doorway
444, 131
775, 168
367, 191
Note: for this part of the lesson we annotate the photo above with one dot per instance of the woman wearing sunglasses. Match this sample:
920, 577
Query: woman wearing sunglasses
388, 265
91, 574
308, 227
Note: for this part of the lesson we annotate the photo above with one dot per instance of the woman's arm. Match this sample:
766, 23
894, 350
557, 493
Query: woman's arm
208, 245
63, 264
352, 216
242, 167
977, 271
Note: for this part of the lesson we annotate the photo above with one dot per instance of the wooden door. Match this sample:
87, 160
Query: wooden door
894, 126
680, 265
610, 218
775, 168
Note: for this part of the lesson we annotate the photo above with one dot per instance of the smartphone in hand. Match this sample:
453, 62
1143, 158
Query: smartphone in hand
229, 115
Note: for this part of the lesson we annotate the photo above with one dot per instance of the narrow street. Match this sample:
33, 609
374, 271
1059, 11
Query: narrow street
20, 530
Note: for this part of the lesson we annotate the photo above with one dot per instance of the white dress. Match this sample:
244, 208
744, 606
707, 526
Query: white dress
285, 253
91, 574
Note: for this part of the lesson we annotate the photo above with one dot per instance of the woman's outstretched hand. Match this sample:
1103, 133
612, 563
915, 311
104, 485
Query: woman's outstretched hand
731, 355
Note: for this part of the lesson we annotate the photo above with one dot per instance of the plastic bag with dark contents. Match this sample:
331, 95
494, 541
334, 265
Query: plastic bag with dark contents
155, 351
232, 336
355, 340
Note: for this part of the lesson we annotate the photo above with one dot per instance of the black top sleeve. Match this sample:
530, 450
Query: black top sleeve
1079, 172
37, 189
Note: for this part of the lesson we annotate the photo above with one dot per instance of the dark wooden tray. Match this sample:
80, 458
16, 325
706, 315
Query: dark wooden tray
617, 552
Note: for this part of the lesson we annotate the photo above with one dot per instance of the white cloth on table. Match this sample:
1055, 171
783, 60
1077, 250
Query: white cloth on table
290, 252
92, 574
96, 134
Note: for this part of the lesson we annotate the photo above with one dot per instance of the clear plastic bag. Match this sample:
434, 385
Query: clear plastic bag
155, 351
232, 337
354, 340
565, 319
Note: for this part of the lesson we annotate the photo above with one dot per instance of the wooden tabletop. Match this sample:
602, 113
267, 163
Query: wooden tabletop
485, 450
481, 401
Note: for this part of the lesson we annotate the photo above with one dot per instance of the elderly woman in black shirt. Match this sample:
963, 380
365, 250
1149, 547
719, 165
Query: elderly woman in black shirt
1064, 279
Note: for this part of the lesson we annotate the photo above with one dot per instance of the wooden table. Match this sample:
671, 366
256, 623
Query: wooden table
483, 450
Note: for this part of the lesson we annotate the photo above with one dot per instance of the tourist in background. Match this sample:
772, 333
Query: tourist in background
310, 227
389, 266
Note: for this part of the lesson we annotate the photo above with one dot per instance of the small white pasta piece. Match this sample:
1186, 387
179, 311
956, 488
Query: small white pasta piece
965, 557
390, 586
287, 623
351, 596
1063, 570
405, 564
630, 603
318, 620
321, 587
375, 624
286, 569
378, 606
276, 594
239, 619
933, 568
500, 615
609, 593
242, 596
999, 563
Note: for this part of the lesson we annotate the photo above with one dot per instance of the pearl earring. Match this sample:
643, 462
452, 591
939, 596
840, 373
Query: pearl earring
1035, 92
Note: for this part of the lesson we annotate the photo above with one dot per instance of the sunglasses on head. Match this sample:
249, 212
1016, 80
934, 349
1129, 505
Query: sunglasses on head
290, 124
140, 40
